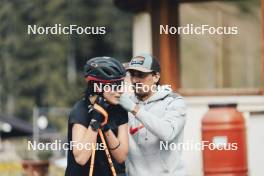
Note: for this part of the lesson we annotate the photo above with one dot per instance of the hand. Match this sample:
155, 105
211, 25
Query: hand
112, 97
95, 114
97, 120
126, 102
101, 102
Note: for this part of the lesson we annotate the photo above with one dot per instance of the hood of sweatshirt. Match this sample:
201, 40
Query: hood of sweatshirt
161, 93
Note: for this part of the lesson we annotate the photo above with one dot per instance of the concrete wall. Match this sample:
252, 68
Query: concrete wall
142, 39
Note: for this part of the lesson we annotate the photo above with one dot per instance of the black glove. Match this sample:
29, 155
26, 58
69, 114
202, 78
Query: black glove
101, 102
117, 116
96, 118
95, 114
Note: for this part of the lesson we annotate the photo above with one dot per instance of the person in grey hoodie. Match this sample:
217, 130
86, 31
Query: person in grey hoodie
156, 120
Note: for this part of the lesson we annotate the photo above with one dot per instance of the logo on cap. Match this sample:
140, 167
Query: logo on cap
139, 60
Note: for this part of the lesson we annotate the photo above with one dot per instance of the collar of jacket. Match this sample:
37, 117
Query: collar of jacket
159, 95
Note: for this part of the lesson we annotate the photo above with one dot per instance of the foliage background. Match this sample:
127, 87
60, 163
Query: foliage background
45, 70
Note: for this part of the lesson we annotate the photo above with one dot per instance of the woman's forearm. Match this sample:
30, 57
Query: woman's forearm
118, 146
85, 143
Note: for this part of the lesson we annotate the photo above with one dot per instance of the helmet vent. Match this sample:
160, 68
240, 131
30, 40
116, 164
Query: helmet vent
108, 72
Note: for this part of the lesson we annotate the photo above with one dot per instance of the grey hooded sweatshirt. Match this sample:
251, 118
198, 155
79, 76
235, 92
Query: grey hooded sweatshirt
163, 117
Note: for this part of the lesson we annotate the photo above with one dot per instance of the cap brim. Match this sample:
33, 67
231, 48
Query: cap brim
145, 70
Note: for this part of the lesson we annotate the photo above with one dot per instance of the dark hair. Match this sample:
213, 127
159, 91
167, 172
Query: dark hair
89, 91
155, 66
154, 73
90, 88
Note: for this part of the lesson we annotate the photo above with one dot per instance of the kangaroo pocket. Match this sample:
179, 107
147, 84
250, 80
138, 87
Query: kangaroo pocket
146, 165
163, 163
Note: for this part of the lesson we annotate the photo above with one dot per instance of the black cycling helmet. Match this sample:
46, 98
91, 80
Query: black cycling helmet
104, 69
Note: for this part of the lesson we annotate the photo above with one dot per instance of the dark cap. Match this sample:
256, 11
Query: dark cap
144, 63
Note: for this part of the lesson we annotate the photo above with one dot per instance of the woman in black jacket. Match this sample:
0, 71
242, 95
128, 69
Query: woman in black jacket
85, 121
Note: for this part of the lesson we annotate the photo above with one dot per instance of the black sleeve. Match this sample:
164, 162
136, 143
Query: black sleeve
79, 114
119, 114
